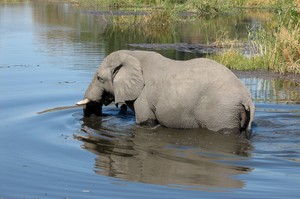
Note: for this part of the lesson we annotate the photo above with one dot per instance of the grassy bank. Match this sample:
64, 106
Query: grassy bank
188, 5
277, 45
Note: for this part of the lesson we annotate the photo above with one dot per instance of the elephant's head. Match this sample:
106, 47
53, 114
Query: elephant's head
119, 78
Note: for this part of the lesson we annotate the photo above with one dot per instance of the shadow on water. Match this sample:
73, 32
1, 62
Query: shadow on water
194, 159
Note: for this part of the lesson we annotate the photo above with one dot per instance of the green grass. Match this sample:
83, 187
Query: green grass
234, 59
279, 46
199, 6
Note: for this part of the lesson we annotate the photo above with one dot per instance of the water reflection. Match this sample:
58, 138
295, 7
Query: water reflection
271, 88
54, 22
73, 38
197, 159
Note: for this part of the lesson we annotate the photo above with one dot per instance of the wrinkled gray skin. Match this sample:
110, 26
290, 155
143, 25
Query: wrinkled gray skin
178, 94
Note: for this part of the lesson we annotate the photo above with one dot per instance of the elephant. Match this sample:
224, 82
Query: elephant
196, 93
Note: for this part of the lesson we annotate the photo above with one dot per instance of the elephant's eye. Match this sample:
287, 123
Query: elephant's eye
100, 79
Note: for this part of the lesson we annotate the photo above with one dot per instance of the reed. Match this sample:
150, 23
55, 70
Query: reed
278, 47
160, 18
234, 59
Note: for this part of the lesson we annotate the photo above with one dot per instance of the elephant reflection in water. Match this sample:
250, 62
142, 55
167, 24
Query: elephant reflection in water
197, 158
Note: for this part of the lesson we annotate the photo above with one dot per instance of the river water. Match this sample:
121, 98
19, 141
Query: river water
48, 53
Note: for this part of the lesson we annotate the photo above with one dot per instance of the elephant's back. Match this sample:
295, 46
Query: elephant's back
193, 93
198, 76
205, 66
215, 73
205, 72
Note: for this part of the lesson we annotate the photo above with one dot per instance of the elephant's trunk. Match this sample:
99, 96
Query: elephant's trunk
95, 107
92, 108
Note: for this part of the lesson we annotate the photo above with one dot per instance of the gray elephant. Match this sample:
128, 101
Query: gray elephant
177, 94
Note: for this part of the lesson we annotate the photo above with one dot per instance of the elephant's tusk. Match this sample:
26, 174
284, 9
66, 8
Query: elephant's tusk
83, 102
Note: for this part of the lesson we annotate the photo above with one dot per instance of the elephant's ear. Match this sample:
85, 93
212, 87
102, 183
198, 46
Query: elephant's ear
127, 78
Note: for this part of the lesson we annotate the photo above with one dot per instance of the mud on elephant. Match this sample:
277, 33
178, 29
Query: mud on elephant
177, 94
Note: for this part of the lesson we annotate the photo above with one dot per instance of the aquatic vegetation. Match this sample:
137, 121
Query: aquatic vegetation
234, 59
276, 46
203, 7
285, 55
162, 18
207, 9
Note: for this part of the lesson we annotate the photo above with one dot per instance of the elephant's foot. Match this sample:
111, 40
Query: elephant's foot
149, 123
247, 133
123, 109
244, 133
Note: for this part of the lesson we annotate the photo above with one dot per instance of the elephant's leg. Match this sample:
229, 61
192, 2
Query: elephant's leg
246, 122
218, 117
143, 113
236, 120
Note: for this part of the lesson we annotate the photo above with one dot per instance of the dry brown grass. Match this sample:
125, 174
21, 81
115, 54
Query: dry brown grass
251, 3
287, 49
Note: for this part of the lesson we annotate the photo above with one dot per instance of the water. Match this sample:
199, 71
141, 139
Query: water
48, 53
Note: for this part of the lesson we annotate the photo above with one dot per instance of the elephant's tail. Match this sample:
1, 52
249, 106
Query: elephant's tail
247, 117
